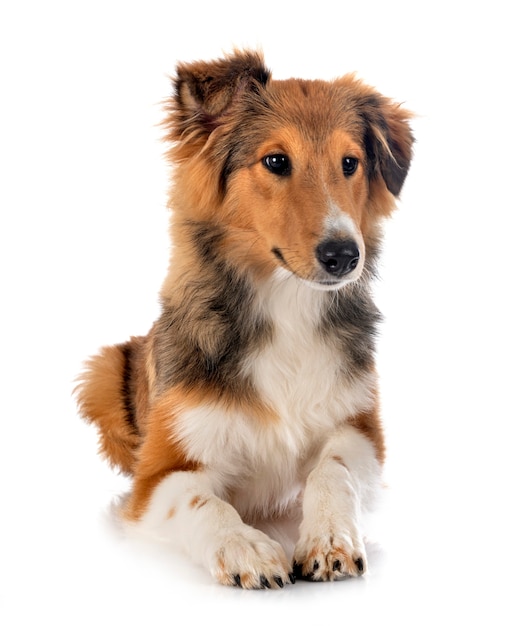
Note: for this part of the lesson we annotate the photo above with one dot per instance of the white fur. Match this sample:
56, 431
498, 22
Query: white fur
186, 511
340, 224
337, 492
256, 470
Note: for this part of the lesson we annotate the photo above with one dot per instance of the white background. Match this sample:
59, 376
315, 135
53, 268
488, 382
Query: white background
84, 248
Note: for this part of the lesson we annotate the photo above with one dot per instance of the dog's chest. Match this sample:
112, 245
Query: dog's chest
303, 379
303, 374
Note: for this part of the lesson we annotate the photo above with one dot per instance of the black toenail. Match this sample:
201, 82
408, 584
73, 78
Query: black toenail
264, 582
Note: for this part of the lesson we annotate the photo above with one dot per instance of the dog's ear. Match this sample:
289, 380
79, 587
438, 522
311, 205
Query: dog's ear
205, 91
388, 140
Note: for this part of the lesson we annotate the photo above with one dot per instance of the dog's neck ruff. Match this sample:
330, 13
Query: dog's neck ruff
305, 372
290, 301
337, 328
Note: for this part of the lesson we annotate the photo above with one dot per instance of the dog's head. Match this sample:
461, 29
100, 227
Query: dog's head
297, 172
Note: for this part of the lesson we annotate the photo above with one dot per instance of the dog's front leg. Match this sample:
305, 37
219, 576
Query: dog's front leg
337, 489
185, 509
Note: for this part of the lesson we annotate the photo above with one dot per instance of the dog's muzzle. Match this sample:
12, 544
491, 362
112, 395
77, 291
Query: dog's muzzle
338, 257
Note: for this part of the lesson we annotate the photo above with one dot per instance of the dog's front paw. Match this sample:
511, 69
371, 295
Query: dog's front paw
247, 558
329, 556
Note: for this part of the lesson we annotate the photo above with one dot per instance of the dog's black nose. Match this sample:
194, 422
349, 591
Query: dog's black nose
338, 256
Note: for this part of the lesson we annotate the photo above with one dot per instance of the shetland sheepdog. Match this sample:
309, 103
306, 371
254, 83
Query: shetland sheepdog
248, 416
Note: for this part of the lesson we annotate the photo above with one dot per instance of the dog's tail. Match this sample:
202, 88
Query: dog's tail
110, 394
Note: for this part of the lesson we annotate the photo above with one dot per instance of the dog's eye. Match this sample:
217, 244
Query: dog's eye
349, 165
277, 164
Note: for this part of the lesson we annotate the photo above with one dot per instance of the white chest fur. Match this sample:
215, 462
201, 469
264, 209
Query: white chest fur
300, 376
300, 373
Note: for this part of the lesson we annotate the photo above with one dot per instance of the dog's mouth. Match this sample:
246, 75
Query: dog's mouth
279, 255
324, 285
338, 263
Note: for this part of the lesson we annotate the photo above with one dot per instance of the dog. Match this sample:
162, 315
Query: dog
248, 416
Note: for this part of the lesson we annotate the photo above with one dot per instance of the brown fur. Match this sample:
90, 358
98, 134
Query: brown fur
100, 397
